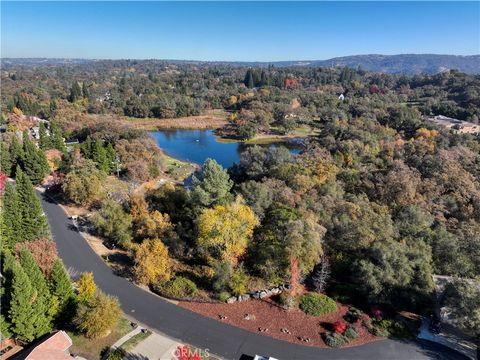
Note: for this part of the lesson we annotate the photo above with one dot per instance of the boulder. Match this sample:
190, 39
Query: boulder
244, 297
231, 300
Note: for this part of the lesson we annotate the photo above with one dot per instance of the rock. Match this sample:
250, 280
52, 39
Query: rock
249, 317
263, 294
276, 291
231, 300
244, 297
256, 295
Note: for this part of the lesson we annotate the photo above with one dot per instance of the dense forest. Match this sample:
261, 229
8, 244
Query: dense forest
380, 196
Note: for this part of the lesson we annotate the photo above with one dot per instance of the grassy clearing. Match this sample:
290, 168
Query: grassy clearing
212, 119
92, 348
135, 340
265, 139
179, 170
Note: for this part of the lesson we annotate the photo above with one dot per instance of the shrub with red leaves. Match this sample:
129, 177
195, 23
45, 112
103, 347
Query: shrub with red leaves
339, 326
377, 313
44, 252
3, 181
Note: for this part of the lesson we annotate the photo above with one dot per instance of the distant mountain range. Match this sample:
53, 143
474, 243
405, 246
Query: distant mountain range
408, 64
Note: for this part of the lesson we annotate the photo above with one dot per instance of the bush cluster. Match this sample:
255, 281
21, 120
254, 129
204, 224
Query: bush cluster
353, 314
178, 288
350, 333
334, 340
317, 304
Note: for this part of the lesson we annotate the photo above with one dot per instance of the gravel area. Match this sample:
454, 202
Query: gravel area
270, 319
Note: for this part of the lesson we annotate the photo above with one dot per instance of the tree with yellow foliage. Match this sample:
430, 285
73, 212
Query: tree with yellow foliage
153, 225
96, 317
224, 231
152, 262
86, 287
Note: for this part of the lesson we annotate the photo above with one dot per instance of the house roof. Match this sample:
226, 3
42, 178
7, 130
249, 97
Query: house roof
52, 347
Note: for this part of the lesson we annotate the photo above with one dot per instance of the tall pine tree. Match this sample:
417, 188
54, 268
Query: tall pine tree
248, 81
5, 159
16, 155
42, 311
86, 147
34, 224
44, 141
11, 219
75, 92
61, 288
99, 155
56, 137
34, 162
21, 310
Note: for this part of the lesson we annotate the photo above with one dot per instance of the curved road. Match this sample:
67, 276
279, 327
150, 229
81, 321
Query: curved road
205, 333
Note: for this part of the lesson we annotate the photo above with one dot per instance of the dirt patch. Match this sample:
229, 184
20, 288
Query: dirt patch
270, 316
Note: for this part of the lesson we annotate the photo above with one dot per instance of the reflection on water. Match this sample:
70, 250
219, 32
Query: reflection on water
198, 145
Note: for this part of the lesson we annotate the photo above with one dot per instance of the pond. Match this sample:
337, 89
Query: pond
199, 145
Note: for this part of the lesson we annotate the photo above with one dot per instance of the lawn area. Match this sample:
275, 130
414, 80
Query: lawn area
135, 340
92, 348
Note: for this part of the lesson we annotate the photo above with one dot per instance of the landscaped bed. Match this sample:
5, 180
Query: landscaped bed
289, 325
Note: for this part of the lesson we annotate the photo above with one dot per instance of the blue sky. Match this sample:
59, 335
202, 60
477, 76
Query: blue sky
248, 31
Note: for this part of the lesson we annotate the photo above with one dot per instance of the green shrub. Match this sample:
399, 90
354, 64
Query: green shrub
334, 340
283, 298
223, 296
317, 304
116, 354
239, 282
350, 333
178, 288
353, 314
378, 327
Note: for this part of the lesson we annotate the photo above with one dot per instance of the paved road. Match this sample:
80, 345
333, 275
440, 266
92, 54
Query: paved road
221, 339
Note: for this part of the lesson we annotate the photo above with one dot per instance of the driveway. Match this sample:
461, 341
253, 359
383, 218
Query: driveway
224, 340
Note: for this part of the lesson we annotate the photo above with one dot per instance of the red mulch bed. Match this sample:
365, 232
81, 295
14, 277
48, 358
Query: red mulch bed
270, 315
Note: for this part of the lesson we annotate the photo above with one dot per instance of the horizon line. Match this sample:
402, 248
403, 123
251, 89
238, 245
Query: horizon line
226, 61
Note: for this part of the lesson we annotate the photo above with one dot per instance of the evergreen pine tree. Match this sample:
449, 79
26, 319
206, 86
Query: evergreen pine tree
85, 91
11, 219
249, 79
42, 312
8, 261
263, 79
34, 224
5, 159
57, 137
111, 157
20, 312
87, 147
44, 141
61, 288
16, 155
34, 161
75, 92
99, 155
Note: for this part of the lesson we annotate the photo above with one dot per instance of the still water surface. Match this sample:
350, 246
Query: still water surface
199, 145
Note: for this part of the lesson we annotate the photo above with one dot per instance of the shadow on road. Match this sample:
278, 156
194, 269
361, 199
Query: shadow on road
440, 352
